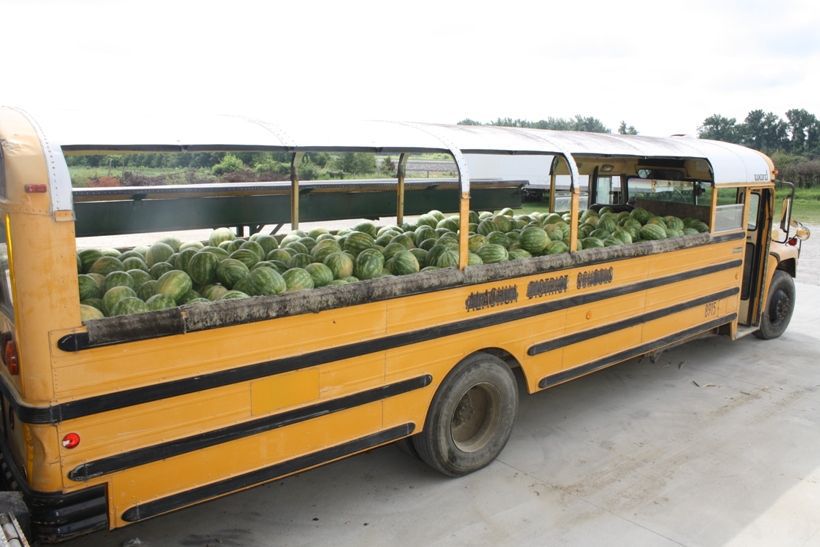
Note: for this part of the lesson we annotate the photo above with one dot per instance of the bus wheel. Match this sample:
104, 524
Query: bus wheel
471, 416
779, 307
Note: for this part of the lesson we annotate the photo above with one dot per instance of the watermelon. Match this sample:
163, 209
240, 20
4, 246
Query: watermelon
324, 248
300, 260
147, 289
623, 236
427, 220
188, 296
89, 287
492, 253
368, 228
499, 238
517, 254
129, 305
674, 223
114, 295
182, 259
503, 223
641, 215
534, 240
392, 249
451, 224
592, 243
160, 268
428, 244
110, 252
552, 218
267, 242
93, 302
473, 259
486, 226
174, 283
247, 257
88, 257
340, 264
404, 263
357, 242
297, 279
690, 231
404, 239
158, 252
195, 245
321, 274
282, 255
105, 265
219, 235
448, 258
88, 313
266, 281
202, 267
232, 295
214, 292
423, 232
280, 267
556, 247
220, 253
244, 285
118, 279
160, 302
368, 264
134, 263
652, 232
297, 247
229, 271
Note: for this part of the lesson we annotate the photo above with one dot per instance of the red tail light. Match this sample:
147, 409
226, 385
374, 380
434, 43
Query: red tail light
71, 440
10, 357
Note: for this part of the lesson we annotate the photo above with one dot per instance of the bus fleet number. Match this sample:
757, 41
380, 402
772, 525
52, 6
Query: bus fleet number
710, 309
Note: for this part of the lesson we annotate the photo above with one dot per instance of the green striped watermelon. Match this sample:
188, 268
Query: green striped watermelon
368, 264
297, 279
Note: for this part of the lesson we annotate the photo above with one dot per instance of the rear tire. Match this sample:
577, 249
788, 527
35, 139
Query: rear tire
470, 418
779, 307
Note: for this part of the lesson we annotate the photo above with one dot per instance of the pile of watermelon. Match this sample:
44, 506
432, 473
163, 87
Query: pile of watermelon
170, 272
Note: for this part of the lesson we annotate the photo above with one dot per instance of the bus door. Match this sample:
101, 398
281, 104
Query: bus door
755, 252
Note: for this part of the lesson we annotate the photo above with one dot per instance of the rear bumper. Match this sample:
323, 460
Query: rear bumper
57, 516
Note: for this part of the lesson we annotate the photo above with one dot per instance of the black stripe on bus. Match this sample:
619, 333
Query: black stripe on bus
176, 447
80, 341
130, 397
626, 323
202, 493
566, 375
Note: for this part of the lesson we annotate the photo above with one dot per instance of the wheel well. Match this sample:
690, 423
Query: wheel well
508, 358
789, 266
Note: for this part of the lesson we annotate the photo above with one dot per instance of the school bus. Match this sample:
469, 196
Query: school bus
125, 418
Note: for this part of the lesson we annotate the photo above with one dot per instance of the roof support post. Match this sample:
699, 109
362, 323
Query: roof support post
294, 191
575, 201
400, 174
463, 230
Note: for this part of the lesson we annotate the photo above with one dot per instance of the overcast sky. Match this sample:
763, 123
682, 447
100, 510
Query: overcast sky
660, 66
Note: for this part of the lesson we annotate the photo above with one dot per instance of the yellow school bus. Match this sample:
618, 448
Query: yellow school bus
120, 419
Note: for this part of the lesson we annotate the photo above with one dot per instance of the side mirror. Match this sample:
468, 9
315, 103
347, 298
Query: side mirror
786, 211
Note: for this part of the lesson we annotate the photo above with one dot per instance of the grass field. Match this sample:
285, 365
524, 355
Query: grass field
807, 205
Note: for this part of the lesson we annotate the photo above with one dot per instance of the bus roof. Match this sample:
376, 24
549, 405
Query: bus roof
75, 131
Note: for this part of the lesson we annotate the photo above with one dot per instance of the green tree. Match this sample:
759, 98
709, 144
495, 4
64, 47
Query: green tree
229, 164
624, 129
801, 127
720, 128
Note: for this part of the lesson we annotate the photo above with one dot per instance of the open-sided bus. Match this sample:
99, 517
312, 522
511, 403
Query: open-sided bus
120, 419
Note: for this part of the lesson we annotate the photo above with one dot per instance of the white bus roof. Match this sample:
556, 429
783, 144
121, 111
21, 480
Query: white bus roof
730, 163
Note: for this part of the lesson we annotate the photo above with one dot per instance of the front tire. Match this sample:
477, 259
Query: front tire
470, 418
779, 307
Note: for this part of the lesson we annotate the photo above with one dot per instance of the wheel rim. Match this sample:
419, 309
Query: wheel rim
780, 308
475, 418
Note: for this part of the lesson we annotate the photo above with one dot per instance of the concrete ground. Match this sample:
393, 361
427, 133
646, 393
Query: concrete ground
716, 443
